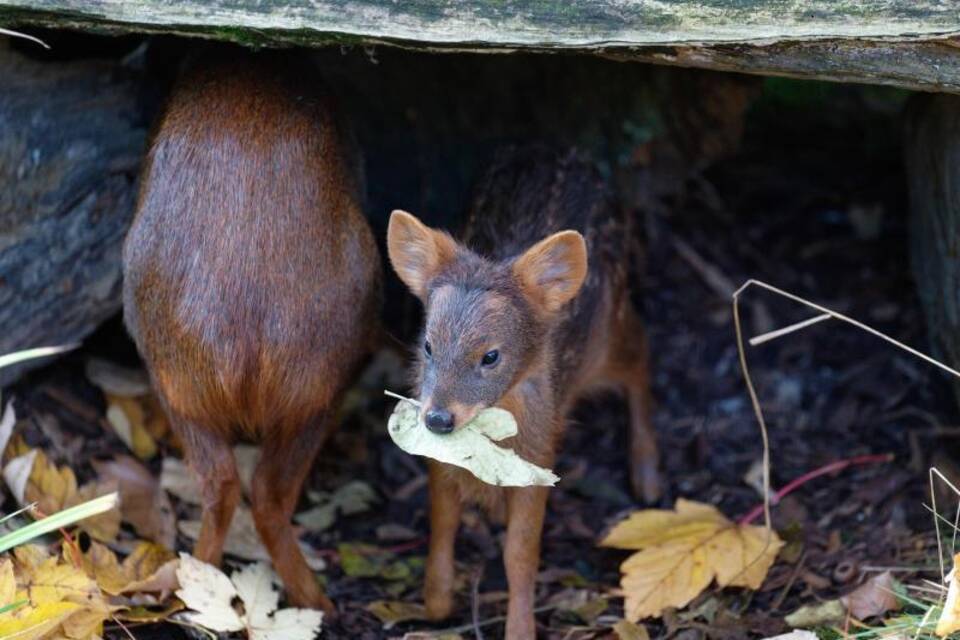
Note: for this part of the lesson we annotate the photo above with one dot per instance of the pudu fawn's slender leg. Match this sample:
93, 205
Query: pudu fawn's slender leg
211, 459
526, 508
445, 510
280, 473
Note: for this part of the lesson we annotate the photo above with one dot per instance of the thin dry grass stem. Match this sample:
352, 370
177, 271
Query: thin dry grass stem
838, 316
825, 314
934, 472
400, 397
17, 34
773, 335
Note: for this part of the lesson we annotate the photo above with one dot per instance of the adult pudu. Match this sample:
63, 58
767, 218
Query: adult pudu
252, 285
530, 311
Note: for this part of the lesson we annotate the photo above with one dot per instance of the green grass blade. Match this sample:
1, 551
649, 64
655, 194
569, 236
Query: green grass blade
13, 605
58, 520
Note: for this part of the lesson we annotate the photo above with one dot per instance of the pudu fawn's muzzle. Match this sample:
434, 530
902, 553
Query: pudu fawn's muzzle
439, 421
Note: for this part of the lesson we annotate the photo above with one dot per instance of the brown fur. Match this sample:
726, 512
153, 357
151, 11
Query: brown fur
251, 285
562, 325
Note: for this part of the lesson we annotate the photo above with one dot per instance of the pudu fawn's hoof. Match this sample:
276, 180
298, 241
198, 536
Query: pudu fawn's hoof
438, 603
646, 482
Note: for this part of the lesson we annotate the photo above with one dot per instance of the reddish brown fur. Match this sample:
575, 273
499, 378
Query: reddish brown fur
252, 285
518, 299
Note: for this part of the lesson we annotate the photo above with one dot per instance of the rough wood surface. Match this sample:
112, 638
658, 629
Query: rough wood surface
900, 42
932, 148
71, 136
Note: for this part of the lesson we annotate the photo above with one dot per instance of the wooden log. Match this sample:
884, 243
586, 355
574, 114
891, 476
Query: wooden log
907, 43
932, 154
71, 137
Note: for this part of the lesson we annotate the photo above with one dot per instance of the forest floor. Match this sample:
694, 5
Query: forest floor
820, 213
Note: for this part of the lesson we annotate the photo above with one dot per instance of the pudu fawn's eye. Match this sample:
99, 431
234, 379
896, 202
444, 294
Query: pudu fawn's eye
490, 358
427, 349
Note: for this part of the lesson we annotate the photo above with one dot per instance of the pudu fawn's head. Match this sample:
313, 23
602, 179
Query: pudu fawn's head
487, 322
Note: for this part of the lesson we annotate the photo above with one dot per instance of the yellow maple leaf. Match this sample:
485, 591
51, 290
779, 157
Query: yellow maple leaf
128, 417
55, 488
31, 623
681, 552
8, 584
950, 616
138, 571
59, 599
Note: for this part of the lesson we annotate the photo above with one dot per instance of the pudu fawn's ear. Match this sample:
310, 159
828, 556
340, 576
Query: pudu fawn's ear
552, 271
416, 251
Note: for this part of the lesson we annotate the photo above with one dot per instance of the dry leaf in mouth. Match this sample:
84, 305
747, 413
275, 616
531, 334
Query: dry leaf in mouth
472, 447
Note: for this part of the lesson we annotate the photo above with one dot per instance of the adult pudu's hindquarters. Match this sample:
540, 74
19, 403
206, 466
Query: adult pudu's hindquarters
251, 286
527, 313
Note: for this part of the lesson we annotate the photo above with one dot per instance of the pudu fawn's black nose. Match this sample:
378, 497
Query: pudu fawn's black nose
439, 421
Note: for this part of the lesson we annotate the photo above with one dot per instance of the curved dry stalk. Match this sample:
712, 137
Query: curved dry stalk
17, 34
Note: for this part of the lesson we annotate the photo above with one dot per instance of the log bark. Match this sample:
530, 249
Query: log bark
71, 138
907, 43
932, 148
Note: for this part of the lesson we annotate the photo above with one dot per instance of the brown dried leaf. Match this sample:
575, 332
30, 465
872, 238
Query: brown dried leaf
142, 502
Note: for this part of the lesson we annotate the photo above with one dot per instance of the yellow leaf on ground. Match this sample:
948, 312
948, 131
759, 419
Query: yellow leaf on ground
31, 623
59, 599
950, 616
32, 477
139, 571
8, 584
681, 552
129, 421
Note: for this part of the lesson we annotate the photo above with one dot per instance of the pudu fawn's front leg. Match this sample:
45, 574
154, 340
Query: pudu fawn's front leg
445, 509
526, 508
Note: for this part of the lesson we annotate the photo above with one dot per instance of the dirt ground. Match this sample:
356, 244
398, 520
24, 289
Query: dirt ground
815, 205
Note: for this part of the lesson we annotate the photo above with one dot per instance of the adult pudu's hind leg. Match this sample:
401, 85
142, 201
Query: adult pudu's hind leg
211, 459
283, 466
630, 367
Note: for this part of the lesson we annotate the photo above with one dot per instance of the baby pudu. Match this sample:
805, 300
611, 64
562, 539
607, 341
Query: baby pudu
529, 311
252, 286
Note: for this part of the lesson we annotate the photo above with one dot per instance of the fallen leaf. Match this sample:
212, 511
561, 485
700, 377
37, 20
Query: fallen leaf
797, 634
142, 502
366, 561
393, 612
470, 447
59, 598
117, 380
626, 630
873, 598
149, 567
824, 613
350, 499
16, 474
129, 419
176, 477
210, 594
950, 616
33, 478
682, 551
7, 423
32, 623
243, 541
